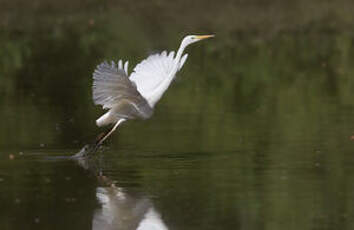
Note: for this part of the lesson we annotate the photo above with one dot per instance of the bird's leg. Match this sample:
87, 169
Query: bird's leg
110, 132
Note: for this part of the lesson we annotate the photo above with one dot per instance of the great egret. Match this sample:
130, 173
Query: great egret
135, 96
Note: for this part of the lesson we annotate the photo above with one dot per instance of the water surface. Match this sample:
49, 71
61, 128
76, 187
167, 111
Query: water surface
255, 133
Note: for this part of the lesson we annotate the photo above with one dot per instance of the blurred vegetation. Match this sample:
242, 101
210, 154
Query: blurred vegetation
258, 122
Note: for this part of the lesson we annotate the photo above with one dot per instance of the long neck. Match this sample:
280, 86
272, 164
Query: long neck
159, 91
178, 58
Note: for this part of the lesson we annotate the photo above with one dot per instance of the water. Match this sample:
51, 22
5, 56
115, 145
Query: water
257, 131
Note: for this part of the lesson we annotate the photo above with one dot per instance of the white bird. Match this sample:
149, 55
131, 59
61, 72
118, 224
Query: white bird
130, 97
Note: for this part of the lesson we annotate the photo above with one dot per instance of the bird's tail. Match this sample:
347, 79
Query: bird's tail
105, 119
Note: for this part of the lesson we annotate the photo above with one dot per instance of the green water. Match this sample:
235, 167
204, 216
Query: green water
255, 133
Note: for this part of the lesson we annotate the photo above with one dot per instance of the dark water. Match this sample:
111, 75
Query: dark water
256, 132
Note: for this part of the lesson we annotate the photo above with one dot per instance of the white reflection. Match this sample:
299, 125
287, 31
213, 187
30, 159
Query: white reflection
118, 209
121, 211
152, 220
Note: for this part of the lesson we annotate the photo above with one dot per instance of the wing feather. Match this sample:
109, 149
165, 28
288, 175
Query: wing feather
111, 84
149, 73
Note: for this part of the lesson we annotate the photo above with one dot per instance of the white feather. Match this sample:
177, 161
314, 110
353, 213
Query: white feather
126, 67
149, 73
120, 64
105, 119
110, 84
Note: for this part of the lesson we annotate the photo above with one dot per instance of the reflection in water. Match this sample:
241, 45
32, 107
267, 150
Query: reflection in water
119, 209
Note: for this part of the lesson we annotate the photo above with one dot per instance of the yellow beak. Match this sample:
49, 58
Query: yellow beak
200, 37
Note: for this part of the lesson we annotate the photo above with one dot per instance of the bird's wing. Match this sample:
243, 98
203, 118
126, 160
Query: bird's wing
131, 109
111, 84
149, 73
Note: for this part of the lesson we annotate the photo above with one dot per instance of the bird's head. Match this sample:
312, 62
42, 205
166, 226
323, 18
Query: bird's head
194, 38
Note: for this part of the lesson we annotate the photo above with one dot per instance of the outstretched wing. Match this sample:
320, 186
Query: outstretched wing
149, 73
111, 84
